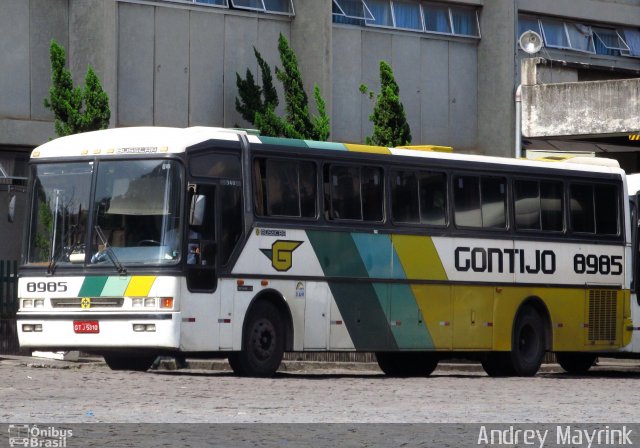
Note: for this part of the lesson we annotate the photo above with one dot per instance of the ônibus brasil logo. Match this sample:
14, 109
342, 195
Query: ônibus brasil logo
34, 436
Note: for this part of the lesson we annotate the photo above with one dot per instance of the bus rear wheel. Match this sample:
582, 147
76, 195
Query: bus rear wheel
129, 362
406, 364
498, 364
575, 363
263, 343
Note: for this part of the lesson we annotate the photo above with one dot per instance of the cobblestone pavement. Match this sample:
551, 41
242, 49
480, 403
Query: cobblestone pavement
34, 391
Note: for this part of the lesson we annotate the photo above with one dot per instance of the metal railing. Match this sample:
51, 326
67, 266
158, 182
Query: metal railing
8, 306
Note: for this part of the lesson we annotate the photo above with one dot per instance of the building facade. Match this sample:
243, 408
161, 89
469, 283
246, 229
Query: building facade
174, 62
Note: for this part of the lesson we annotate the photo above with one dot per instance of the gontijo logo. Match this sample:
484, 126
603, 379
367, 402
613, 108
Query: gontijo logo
281, 254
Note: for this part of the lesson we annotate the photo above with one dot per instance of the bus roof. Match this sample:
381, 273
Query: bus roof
141, 140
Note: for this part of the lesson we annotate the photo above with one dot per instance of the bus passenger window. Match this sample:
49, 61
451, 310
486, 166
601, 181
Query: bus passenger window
404, 197
433, 199
345, 193
467, 201
372, 194
527, 205
606, 202
493, 198
581, 206
551, 206
287, 187
282, 188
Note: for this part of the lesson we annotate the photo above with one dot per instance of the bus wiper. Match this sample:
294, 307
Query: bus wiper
110, 253
53, 261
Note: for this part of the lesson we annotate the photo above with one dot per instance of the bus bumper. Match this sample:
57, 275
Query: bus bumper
98, 331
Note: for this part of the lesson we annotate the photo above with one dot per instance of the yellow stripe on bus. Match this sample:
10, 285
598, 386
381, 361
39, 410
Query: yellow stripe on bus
419, 257
366, 148
140, 286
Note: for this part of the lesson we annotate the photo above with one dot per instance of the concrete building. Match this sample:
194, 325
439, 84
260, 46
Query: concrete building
174, 62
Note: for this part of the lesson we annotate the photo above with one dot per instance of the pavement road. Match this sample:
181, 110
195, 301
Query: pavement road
45, 391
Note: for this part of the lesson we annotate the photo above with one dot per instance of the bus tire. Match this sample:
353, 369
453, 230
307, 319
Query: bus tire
575, 363
497, 364
129, 362
406, 364
263, 343
528, 344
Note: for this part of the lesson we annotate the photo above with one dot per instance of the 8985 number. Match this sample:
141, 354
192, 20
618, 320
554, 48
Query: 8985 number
594, 264
47, 286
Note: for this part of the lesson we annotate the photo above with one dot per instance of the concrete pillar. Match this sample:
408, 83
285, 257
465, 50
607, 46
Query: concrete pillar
93, 41
496, 79
311, 31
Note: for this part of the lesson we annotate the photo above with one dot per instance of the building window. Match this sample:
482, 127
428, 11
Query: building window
587, 38
411, 15
224, 3
351, 9
465, 21
268, 6
632, 38
609, 42
436, 19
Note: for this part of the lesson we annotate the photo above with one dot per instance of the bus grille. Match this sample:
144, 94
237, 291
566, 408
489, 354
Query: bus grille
602, 315
96, 302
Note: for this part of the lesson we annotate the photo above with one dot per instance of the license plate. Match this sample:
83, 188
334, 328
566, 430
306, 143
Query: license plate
86, 326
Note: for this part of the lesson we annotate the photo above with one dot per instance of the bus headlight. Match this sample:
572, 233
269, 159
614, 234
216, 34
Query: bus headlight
27, 303
136, 302
149, 302
38, 303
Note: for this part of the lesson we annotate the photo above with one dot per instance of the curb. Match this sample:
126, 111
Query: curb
169, 364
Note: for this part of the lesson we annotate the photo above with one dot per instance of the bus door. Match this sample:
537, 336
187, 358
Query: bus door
215, 228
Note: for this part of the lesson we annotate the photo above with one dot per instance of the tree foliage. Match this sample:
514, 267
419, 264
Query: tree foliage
252, 97
390, 126
257, 104
75, 109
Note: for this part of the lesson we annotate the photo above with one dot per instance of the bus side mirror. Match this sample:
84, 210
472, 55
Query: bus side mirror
198, 205
12, 209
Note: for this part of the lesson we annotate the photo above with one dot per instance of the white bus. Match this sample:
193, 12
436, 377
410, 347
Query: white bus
208, 242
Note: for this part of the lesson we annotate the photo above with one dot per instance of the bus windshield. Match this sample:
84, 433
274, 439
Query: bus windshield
135, 213
60, 211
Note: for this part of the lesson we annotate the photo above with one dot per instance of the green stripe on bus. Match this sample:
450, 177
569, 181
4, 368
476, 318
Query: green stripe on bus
92, 286
325, 145
407, 324
363, 316
361, 309
116, 286
282, 141
337, 254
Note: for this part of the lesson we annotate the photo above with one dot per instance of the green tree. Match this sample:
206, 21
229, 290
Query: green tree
252, 97
390, 126
75, 110
297, 122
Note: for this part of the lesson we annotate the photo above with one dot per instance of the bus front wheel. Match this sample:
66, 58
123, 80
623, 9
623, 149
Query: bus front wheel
406, 364
528, 345
575, 363
263, 343
129, 362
